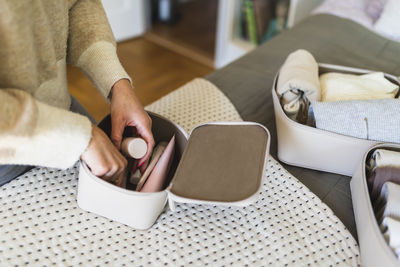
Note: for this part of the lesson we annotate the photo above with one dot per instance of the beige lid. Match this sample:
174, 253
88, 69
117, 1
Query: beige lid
222, 163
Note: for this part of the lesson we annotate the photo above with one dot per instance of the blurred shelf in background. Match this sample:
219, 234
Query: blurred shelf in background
186, 27
212, 32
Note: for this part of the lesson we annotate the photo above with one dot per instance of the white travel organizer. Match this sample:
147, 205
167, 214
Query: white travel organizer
308, 147
375, 251
220, 164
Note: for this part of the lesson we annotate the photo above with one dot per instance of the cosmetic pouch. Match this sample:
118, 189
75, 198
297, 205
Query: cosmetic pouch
308, 147
221, 163
374, 249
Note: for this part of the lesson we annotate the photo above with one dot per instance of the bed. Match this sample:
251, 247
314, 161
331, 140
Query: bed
247, 83
288, 225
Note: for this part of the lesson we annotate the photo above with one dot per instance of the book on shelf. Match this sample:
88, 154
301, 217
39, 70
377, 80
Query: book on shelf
263, 11
251, 21
260, 20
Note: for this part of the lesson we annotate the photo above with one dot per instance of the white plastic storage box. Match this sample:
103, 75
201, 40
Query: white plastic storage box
375, 251
308, 147
220, 164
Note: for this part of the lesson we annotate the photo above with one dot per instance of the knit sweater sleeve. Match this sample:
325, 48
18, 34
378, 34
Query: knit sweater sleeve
34, 133
91, 45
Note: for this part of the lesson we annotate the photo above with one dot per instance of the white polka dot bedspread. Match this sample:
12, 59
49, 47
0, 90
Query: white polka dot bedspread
41, 223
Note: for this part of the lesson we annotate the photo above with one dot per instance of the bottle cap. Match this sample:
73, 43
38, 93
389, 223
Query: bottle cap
134, 147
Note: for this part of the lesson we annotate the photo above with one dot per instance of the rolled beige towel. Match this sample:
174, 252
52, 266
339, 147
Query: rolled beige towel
343, 87
299, 72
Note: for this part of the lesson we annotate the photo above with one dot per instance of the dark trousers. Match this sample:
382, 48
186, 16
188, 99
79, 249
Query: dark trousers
10, 172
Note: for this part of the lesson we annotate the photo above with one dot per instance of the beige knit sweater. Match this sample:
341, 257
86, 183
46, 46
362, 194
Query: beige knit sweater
37, 39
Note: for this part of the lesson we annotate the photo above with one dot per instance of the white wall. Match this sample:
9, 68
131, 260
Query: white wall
127, 17
300, 9
227, 48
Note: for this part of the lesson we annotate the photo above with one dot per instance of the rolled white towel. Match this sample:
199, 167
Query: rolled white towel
392, 234
341, 87
299, 72
384, 158
388, 202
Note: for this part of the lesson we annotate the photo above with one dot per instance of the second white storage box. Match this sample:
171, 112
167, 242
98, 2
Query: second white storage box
375, 251
304, 146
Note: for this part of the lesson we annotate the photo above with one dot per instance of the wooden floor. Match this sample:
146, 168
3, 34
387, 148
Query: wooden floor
155, 72
193, 34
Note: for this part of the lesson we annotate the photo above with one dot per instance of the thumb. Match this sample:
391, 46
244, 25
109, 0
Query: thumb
117, 128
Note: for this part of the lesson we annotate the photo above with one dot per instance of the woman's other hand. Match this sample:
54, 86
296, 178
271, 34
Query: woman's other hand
126, 110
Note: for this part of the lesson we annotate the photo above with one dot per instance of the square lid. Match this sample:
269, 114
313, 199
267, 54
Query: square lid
223, 163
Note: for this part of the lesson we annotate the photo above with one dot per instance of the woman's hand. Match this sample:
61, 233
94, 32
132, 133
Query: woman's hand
104, 160
126, 110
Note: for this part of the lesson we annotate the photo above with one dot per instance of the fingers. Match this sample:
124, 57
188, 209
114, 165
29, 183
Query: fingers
120, 180
150, 145
117, 129
144, 166
103, 159
116, 169
132, 165
144, 130
113, 171
126, 110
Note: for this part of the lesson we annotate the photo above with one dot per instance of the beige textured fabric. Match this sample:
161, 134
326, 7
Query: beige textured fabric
37, 38
102, 66
200, 97
88, 24
34, 144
